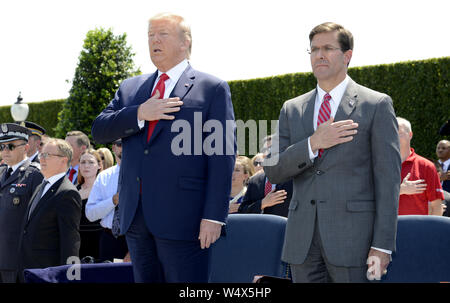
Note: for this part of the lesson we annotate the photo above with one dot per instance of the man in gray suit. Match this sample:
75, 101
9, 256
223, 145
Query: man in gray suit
339, 143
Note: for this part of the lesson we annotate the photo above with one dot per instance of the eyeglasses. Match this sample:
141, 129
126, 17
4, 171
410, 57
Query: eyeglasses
325, 49
10, 146
257, 163
46, 155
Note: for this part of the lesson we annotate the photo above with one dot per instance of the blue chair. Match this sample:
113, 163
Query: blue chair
423, 250
252, 246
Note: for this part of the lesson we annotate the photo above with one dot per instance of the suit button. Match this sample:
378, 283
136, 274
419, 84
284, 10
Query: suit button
24, 232
313, 202
146, 152
302, 165
319, 172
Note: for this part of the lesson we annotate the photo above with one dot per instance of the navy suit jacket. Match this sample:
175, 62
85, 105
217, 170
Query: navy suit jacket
255, 193
178, 191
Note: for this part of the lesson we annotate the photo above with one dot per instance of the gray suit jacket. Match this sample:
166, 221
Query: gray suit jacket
352, 190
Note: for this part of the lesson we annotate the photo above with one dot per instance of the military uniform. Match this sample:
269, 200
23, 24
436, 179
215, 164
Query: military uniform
35, 130
15, 193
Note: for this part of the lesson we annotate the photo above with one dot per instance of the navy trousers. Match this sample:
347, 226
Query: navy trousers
157, 260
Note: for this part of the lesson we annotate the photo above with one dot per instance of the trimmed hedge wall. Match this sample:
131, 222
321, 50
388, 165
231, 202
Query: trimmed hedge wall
420, 91
43, 113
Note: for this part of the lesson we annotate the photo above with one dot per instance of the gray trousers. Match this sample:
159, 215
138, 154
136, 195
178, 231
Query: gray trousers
317, 269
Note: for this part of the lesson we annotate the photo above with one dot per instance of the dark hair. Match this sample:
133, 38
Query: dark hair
345, 37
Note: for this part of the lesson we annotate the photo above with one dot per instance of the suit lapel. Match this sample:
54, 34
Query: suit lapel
308, 114
180, 90
143, 94
43, 200
348, 103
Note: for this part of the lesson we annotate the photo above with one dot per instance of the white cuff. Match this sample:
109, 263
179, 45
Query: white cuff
214, 221
312, 155
386, 251
141, 123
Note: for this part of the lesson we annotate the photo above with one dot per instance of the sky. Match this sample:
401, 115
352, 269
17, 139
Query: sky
233, 39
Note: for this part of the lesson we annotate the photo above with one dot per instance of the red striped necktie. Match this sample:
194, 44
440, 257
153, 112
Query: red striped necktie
324, 114
267, 188
161, 87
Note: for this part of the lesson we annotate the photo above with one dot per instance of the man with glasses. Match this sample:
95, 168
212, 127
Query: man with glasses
339, 143
50, 233
18, 180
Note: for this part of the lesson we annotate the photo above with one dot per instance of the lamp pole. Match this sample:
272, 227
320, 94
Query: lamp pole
19, 111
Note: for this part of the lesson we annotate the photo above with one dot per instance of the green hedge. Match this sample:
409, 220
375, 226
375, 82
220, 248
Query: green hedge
43, 113
420, 91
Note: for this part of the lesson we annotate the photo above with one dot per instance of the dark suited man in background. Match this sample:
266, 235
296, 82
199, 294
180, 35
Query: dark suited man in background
35, 140
443, 166
79, 142
18, 179
51, 228
339, 143
172, 203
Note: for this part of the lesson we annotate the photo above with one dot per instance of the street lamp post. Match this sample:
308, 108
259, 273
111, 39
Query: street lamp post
19, 111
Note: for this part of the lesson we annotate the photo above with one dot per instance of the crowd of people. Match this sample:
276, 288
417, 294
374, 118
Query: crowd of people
424, 190
338, 183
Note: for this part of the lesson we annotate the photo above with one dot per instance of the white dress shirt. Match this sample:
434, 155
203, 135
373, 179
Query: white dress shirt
100, 203
445, 166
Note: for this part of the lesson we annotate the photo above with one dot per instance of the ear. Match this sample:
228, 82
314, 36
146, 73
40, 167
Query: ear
348, 56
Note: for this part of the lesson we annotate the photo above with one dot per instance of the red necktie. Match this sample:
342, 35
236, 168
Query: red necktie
267, 188
71, 174
161, 87
324, 114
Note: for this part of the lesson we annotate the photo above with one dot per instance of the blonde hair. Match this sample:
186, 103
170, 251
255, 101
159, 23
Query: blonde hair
247, 165
108, 159
185, 29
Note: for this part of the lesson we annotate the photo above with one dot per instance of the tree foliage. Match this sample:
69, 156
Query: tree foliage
104, 62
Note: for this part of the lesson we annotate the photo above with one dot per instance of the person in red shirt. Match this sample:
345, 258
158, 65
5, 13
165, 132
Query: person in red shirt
421, 191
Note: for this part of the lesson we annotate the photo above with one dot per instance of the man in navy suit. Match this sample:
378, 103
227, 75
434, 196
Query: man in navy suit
177, 129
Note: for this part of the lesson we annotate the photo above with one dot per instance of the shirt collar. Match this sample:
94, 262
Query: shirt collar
446, 162
175, 72
53, 179
411, 156
16, 166
336, 93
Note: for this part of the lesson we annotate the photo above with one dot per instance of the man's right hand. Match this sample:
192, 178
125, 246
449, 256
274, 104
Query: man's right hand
330, 133
273, 198
157, 109
412, 187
